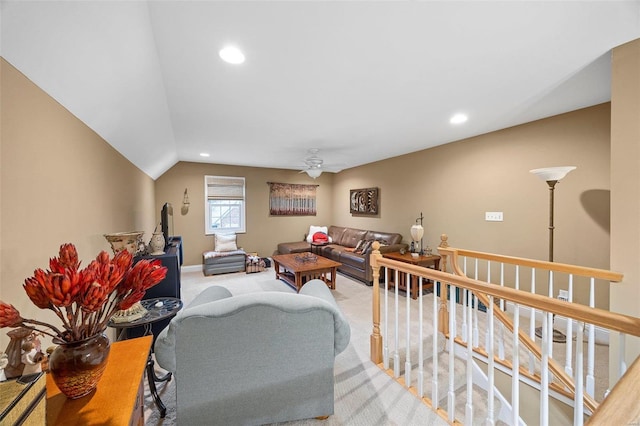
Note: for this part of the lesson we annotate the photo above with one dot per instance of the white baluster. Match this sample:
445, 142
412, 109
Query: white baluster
532, 323
591, 344
515, 379
385, 325
435, 398
544, 372
491, 367
550, 316
569, 355
486, 335
407, 357
578, 406
468, 412
451, 396
621, 355
396, 352
465, 301
420, 342
501, 349
474, 299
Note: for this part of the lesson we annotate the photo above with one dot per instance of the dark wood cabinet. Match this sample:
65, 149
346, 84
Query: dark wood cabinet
169, 287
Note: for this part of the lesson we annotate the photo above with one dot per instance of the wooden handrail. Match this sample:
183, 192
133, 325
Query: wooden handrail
600, 274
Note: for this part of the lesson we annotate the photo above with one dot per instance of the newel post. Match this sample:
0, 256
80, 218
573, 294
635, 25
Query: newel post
443, 313
376, 337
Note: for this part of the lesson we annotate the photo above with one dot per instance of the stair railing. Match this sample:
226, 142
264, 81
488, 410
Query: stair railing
473, 293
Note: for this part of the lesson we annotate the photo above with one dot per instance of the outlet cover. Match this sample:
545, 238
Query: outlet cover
493, 216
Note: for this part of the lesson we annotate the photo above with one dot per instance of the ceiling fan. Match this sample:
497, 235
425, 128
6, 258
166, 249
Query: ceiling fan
313, 164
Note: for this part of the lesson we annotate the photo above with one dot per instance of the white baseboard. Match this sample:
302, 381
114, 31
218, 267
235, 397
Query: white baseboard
560, 323
191, 268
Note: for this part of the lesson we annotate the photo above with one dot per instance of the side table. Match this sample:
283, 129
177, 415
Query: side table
431, 261
119, 397
315, 247
158, 309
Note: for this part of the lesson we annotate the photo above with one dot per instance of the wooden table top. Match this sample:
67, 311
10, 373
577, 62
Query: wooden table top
114, 399
407, 258
290, 263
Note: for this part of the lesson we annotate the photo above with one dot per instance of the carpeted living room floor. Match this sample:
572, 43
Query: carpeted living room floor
364, 395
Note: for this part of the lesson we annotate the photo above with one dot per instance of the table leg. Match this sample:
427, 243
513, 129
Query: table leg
152, 378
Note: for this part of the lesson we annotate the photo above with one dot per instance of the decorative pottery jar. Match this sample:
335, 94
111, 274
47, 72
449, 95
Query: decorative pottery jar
76, 367
130, 241
157, 243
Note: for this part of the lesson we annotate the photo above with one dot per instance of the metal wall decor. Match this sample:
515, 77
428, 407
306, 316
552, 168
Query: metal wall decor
288, 199
364, 201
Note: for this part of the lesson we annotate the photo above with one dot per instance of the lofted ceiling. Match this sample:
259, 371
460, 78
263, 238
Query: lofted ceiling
361, 81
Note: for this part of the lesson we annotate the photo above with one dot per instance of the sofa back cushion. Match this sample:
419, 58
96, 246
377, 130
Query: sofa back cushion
351, 236
386, 238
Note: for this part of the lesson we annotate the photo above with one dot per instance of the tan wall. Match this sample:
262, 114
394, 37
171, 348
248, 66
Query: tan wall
455, 184
625, 186
60, 182
264, 232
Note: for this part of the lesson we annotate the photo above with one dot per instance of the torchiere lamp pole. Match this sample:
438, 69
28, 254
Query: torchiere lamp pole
552, 175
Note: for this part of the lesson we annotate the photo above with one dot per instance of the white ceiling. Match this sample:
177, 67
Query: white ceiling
361, 81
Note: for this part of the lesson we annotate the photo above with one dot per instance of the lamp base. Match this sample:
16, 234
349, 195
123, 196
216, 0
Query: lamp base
558, 336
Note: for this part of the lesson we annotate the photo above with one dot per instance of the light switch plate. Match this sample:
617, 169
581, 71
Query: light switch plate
493, 216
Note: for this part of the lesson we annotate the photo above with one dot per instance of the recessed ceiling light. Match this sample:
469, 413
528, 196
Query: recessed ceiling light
204, 154
232, 55
458, 118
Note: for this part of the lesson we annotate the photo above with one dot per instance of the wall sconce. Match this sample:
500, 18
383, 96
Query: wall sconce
417, 232
185, 203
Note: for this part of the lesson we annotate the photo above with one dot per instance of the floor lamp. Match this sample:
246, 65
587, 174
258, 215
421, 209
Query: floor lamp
552, 175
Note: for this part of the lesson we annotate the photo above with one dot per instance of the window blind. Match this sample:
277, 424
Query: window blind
225, 188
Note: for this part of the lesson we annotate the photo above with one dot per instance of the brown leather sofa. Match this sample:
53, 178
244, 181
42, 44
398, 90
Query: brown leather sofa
342, 249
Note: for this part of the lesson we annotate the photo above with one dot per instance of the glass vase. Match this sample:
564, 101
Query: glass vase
76, 367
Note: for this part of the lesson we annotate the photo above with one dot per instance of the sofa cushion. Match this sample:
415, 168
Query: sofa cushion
294, 247
353, 259
386, 238
351, 236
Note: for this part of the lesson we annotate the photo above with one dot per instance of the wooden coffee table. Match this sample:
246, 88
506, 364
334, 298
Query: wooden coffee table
294, 270
432, 261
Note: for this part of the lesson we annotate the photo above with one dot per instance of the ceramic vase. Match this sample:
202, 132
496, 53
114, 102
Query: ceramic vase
76, 367
157, 243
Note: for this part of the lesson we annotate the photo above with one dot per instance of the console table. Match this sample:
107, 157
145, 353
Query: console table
432, 261
119, 397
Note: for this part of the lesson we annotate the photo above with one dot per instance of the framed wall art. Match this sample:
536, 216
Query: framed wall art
288, 199
364, 201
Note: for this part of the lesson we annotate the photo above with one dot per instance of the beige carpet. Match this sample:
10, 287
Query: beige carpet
364, 395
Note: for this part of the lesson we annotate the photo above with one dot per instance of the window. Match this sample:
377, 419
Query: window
224, 204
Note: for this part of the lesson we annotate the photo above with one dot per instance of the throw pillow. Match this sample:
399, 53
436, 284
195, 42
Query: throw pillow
358, 246
313, 230
320, 237
226, 242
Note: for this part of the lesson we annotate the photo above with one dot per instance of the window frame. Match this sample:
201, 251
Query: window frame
210, 194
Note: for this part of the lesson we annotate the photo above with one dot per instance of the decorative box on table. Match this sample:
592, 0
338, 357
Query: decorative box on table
22, 401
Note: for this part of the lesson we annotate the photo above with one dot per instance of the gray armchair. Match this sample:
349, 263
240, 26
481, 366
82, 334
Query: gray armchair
254, 358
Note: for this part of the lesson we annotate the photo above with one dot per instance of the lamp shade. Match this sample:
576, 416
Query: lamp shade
314, 173
552, 173
417, 231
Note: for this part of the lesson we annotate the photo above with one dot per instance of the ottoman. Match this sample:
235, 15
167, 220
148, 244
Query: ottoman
215, 262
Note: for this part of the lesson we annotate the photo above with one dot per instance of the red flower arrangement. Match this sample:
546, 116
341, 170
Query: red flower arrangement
86, 299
